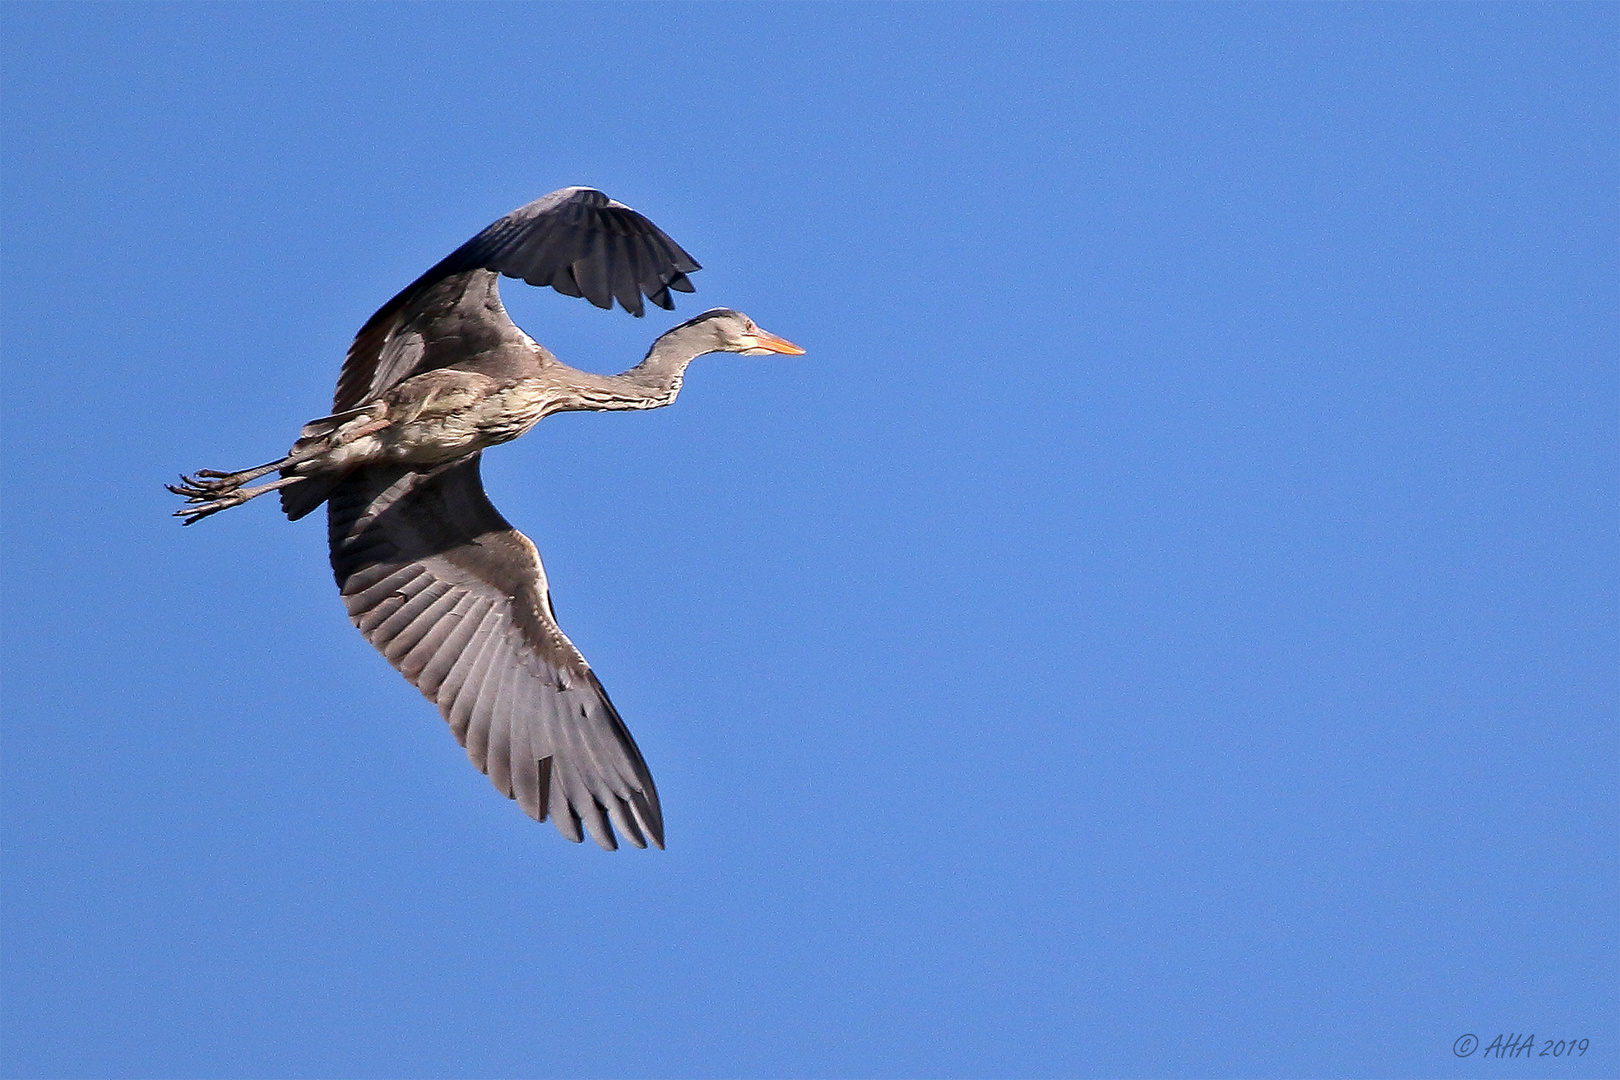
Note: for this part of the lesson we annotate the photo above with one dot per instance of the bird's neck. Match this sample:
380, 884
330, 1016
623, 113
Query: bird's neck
665, 365
651, 384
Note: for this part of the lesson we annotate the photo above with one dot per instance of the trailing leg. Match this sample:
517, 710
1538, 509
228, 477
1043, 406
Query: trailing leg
318, 455
207, 504
207, 484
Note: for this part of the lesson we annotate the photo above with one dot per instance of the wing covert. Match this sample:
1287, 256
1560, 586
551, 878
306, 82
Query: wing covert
576, 240
456, 599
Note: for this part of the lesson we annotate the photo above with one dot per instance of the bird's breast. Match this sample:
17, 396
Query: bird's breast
515, 409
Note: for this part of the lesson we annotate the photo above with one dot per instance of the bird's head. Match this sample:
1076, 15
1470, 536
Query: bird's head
732, 331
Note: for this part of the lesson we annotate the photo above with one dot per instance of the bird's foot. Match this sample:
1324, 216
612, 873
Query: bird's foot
208, 505
209, 492
206, 484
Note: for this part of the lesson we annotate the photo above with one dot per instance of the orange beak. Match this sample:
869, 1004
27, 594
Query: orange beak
771, 343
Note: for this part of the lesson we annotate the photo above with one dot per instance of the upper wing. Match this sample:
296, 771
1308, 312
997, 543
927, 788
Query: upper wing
456, 599
577, 240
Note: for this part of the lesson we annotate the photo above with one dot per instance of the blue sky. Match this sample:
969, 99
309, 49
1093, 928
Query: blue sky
1165, 626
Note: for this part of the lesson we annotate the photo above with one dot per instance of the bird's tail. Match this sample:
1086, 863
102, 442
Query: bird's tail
318, 436
300, 498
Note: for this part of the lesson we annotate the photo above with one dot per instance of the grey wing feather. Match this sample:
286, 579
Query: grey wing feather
577, 240
456, 599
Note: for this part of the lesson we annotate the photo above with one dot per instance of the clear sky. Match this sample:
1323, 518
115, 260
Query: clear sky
1165, 626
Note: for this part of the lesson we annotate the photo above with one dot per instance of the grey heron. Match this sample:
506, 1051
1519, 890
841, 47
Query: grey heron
431, 573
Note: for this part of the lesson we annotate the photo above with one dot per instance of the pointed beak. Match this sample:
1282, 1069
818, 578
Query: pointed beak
769, 342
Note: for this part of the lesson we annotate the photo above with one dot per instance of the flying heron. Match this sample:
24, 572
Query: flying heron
431, 573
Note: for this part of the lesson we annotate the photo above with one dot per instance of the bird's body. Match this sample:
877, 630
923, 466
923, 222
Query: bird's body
431, 573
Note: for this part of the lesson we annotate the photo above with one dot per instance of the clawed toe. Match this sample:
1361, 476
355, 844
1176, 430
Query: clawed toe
194, 514
204, 485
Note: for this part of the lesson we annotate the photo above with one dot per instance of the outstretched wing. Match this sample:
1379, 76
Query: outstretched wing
456, 599
577, 240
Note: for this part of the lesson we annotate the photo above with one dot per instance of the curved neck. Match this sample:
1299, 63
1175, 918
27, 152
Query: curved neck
665, 364
651, 384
